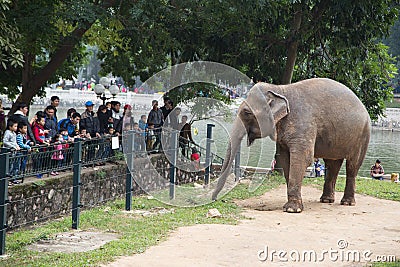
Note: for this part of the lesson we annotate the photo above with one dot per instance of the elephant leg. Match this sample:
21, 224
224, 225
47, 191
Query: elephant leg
284, 159
332, 168
351, 172
300, 158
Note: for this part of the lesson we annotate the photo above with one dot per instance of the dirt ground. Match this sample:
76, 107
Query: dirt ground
322, 235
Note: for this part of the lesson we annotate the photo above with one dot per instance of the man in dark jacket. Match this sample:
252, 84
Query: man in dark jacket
155, 119
20, 116
55, 101
50, 123
89, 120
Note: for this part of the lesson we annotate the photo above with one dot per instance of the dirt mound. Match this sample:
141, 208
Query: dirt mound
322, 235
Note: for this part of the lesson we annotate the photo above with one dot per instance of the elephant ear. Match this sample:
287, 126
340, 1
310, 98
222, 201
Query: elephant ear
279, 105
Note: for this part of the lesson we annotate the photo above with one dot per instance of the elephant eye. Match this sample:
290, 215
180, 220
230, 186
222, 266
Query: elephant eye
247, 112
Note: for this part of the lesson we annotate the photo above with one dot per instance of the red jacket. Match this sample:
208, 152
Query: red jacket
38, 132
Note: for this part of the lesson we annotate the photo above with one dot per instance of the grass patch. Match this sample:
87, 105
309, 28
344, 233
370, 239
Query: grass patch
137, 233
374, 188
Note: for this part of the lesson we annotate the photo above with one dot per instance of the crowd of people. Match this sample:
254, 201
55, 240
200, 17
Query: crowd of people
47, 129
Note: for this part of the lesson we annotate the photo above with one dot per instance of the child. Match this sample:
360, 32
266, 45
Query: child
10, 141
66, 137
106, 147
10, 136
58, 156
83, 134
23, 143
39, 132
139, 144
40, 136
195, 158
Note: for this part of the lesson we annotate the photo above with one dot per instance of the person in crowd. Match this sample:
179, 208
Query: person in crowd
10, 135
68, 143
139, 141
195, 158
117, 120
174, 118
24, 144
2, 119
40, 133
103, 117
377, 170
89, 120
83, 134
127, 118
167, 108
106, 151
57, 157
145, 129
185, 135
155, 119
10, 141
50, 123
55, 102
319, 168
62, 123
21, 116
71, 124
108, 105
41, 138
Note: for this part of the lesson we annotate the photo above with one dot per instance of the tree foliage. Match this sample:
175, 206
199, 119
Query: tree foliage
276, 41
10, 54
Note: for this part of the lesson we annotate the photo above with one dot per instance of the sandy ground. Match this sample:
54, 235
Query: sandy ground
336, 234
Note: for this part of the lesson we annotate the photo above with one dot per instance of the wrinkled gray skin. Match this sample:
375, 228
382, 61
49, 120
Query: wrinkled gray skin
317, 118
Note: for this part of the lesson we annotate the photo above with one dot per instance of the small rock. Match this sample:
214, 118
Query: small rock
150, 197
196, 185
51, 194
213, 213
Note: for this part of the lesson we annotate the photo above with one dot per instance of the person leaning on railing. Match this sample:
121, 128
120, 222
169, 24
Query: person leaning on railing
185, 135
24, 144
10, 141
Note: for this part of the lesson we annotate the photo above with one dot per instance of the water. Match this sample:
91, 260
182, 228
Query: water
383, 144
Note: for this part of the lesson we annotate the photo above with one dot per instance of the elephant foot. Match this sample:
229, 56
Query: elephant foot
293, 206
348, 201
327, 198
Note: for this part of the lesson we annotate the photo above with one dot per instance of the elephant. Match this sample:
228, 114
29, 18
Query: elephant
314, 118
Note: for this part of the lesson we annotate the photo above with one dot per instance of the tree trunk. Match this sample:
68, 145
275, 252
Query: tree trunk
31, 83
292, 47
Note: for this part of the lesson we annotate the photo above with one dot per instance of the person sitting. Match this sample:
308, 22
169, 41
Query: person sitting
377, 171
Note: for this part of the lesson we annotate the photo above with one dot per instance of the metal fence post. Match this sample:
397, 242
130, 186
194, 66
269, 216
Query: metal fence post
129, 167
76, 193
208, 153
4, 169
237, 165
172, 170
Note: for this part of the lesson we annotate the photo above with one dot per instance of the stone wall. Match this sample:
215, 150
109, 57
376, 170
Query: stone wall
41, 200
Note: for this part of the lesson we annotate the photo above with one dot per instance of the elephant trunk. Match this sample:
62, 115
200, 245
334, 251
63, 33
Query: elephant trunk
237, 134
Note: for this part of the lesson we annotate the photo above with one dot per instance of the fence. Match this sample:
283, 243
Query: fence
81, 153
